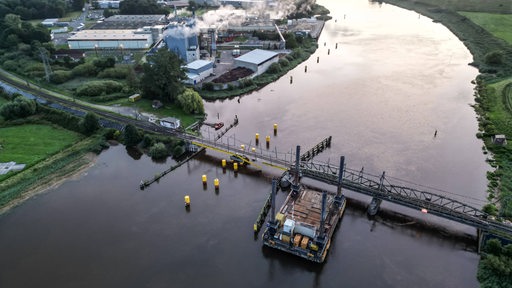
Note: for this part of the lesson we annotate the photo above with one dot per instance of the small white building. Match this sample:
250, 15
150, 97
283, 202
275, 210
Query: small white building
170, 122
198, 70
49, 22
110, 39
257, 60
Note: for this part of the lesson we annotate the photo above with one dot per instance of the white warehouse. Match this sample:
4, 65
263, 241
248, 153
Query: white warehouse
257, 60
110, 39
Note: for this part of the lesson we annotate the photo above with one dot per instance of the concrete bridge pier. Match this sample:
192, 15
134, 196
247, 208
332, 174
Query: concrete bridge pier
374, 206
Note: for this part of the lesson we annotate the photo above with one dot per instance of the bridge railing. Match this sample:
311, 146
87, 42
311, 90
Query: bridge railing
426, 201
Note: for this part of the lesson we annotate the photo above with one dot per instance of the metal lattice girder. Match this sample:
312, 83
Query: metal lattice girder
357, 181
435, 204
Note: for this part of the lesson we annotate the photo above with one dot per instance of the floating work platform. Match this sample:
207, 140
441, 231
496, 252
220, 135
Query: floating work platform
308, 218
305, 223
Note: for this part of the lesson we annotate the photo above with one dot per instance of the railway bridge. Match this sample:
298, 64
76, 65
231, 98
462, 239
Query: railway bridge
355, 180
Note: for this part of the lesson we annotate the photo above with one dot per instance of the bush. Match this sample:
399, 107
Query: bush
20, 107
84, 70
97, 88
178, 151
284, 62
208, 86
114, 73
147, 141
158, 151
61, 118
59, 77
274, 68
104, 63
11, 65
494, 58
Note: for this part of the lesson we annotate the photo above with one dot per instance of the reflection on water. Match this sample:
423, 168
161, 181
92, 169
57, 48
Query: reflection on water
394, 79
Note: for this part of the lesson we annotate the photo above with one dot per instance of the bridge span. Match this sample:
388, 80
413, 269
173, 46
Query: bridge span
379, 188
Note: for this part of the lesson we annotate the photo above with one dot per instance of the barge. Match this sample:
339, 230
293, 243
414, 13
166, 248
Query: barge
306, 221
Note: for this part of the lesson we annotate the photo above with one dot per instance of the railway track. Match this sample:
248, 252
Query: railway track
106, 115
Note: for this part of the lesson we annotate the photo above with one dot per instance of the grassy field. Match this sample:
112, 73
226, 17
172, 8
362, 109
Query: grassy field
489, 6
500, 25
29, 144
45, 173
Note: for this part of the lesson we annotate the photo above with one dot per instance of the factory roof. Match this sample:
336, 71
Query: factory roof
130, 21
109, 35
198, 64
138, 18
257, 56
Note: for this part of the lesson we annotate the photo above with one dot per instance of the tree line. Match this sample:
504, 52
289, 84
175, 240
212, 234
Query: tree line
39, 9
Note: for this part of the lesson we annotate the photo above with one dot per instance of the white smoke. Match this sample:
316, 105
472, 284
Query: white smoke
227, 16
223, 17
181, 30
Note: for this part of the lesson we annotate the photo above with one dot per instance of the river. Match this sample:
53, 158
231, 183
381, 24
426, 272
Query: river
395, 78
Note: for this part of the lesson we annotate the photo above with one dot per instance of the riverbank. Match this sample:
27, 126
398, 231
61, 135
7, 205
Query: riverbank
493, 117
71, 163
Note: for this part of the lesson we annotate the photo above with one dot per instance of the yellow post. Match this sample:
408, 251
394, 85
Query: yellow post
257, 137
255, 227
253, 149
204, 179
223, 163
242, 147
275, 128
187, 200
268, 140
235, 166
216, 183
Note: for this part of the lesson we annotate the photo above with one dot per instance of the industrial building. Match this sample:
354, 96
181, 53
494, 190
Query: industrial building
107, 4
257, 60
131, 21
181, 38
110, 39
198, 70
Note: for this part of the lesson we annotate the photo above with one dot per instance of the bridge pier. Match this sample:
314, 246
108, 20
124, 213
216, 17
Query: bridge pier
374, 206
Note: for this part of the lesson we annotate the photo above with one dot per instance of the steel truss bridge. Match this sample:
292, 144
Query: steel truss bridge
377, 187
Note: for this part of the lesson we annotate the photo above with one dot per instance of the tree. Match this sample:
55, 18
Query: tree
191, 102
158, 151
19, 107
495, 267
90, 124
494, 58
291, 41
141, 7
162, 77
77, 5
132, 136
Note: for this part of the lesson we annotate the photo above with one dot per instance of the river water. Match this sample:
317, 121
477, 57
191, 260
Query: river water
394, 80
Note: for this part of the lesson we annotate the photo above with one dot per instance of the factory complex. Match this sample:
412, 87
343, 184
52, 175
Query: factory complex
194, 40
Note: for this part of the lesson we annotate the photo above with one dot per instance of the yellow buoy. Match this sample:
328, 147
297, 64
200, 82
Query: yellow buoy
235, 166
187, 200
204, 179
216, 183
223, 163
